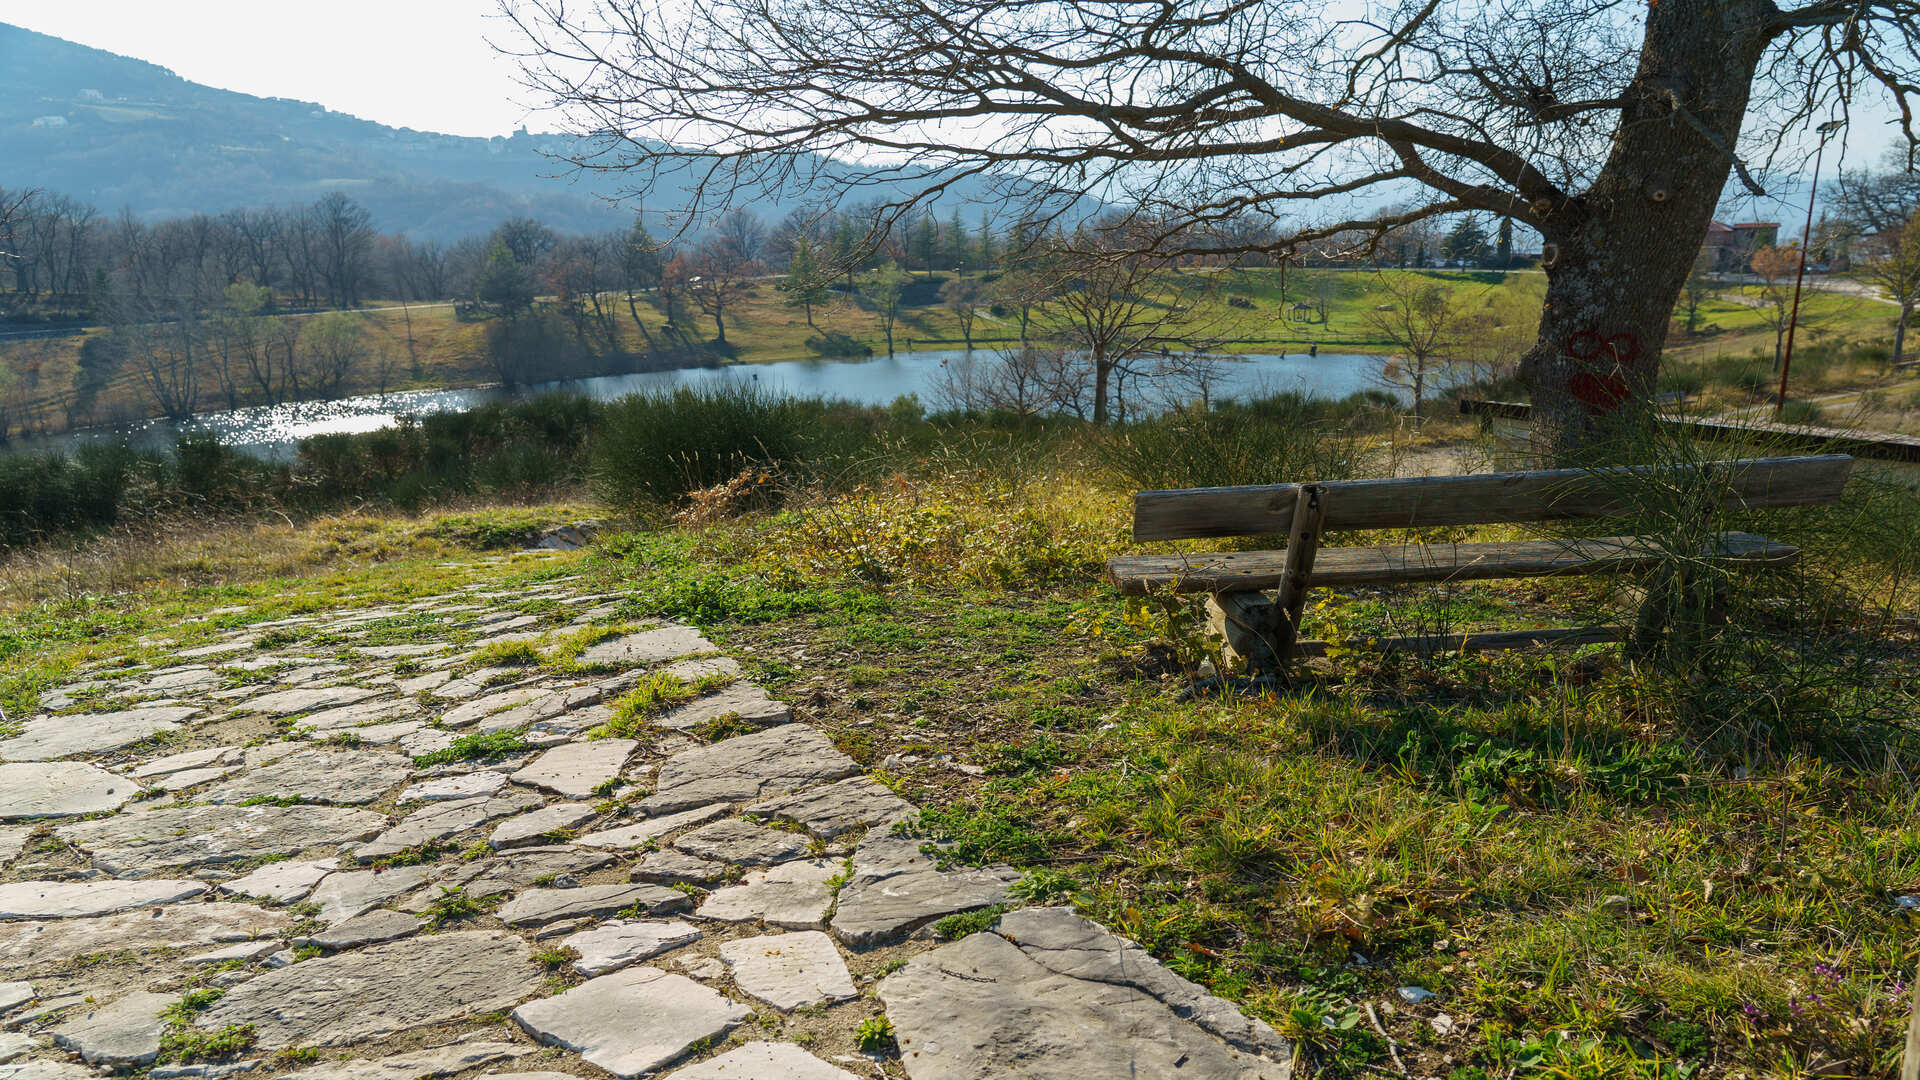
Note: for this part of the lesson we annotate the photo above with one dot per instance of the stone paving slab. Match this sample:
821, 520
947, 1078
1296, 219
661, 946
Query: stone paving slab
281, 882
677, 868
306, 699
436, 1061
535, 827
757, 766
371, 928
537, 907
897, 888
60, 789
519, 868
191, 836
193, 760
647, 647
46, 1070
346, 893
763, 1061
834, 810
122, 1034
44, 943
577, 770
480, 708
464, 786
738, 842
795, 895
50, 737
614, 945
638, 833
742, 702
788, 971
377, 991
336, 777
983, 1008
438, 821
633, 1021
1061, 941
361, 714
81, 899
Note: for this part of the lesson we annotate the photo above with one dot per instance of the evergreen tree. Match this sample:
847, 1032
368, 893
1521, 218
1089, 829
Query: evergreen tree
803, 284
843, 250
926, 241
959, 248
505, 285
1466, 244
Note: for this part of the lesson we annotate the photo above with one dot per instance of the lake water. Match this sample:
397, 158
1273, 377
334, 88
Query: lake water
273, 431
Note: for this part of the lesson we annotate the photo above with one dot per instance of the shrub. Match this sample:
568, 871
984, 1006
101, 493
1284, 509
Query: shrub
43, 495
1800, 412
1263, 442
654, 448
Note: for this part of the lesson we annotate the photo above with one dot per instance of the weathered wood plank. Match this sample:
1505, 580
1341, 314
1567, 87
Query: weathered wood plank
1296, 575
1345, 567
1807, 438
1481, 641
1424, 501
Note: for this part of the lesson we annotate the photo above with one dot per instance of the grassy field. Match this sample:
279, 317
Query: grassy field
429, 348
1239, 310
1598, 867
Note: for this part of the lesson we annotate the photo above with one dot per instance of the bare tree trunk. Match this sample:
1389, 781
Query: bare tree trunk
1900, 331
1617, 257
633, 309
1102, 376
413, 355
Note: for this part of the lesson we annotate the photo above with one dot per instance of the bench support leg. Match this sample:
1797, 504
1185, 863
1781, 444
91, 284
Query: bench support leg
1244, 620
1303, 543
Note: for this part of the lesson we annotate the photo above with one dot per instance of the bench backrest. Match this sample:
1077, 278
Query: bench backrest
1417, 502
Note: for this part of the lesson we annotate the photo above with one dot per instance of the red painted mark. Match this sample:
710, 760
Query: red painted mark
1610, 360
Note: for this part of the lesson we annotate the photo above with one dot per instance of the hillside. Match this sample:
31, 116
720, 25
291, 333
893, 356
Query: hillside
120, 132
117, 132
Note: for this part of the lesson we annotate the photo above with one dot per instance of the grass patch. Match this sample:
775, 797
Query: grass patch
480, 746
181, 1042
654, 694
187, 1045
955, 927
725, 726
556, 957
453, 905
505, 654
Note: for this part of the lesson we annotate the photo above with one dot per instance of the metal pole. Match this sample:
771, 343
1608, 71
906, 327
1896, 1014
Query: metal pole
1806, 232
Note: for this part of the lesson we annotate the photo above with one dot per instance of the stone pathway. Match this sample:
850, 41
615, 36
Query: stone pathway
281, 853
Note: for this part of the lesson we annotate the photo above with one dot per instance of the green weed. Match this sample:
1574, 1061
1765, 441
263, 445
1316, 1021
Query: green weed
480, 746
874, 1035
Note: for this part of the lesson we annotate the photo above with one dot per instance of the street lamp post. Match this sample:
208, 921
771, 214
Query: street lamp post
1806, 232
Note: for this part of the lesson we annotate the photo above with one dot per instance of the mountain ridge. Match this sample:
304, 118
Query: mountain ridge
116, 131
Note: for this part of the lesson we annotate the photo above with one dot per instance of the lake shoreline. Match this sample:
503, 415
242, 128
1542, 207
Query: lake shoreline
273, 431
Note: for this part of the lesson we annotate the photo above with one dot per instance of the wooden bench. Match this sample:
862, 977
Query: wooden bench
1265, 630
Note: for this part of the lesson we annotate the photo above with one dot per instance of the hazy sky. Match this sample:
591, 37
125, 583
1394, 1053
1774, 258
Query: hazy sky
410, 63
423, 64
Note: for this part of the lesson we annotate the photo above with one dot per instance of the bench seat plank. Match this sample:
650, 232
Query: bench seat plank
1411, 502
1239, 571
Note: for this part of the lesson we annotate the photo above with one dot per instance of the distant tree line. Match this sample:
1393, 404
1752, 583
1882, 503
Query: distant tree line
257, 305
